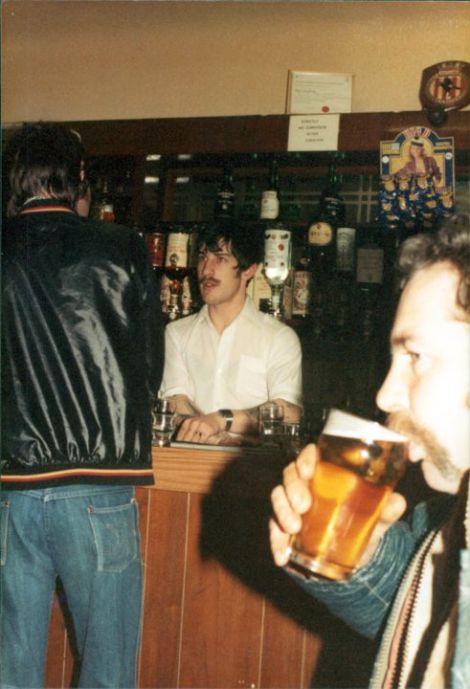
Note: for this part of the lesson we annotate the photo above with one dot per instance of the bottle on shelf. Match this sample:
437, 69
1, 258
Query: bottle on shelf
277, 262
345, 251
370, 257
270, 202
225, 199
370, 263
329, 216
249, 209
176, 266
155, 239
106, 207
288, 295
302, 287
277, 244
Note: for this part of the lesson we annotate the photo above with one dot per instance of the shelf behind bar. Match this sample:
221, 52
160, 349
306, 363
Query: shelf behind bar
252, 133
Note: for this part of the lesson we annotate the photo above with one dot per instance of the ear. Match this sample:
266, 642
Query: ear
249, 272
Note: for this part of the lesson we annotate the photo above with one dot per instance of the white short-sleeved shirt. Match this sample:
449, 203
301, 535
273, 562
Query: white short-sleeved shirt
256, 358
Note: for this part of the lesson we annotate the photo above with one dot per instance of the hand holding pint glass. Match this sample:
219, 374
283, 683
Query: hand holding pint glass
359, 464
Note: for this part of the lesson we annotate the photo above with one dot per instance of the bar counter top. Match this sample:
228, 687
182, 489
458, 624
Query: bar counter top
194, 468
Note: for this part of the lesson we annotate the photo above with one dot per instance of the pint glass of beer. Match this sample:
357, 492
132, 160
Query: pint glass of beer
359, 464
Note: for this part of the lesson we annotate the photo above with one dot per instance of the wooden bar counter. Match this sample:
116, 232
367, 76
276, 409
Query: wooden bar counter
217, 612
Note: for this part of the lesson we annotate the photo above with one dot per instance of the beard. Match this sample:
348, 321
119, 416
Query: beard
433, 451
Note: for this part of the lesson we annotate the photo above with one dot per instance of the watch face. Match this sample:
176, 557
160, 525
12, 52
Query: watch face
446, 85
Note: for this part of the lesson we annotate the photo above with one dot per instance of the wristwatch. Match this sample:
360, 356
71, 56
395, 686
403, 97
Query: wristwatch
228, 416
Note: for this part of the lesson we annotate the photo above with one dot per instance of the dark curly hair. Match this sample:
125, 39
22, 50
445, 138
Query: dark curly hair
451, 244
43, 157
246, 243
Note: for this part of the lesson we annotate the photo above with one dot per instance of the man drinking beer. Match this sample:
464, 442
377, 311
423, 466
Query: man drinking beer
415, 574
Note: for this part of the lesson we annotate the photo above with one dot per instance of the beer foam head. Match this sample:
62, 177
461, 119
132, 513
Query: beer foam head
346, 425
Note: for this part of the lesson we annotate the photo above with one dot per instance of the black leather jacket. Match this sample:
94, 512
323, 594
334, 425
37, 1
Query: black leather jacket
82, 350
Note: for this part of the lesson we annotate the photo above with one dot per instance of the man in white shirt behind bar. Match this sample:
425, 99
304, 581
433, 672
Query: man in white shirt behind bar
224, 362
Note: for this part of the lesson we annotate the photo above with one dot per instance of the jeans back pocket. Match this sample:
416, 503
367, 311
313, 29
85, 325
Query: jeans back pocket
116, 535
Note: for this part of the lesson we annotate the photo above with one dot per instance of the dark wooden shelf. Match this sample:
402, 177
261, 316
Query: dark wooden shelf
253, 133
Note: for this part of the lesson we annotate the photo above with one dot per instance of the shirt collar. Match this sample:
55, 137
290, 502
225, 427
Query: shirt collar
248, 312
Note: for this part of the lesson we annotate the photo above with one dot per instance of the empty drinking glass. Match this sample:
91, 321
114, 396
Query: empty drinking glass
271, 416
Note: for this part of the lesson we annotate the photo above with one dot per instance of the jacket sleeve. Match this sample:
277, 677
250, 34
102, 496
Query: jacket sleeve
364, 600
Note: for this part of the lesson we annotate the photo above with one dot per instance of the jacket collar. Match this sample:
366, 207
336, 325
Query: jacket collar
48, 205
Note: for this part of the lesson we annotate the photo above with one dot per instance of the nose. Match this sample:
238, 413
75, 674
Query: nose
393, 393
205, 266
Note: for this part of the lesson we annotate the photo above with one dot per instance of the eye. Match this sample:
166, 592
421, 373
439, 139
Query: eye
418, 361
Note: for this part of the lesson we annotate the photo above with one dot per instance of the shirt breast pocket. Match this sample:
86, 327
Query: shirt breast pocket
251, 382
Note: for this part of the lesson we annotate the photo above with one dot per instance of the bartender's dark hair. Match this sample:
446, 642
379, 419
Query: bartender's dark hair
246, 244
451, 244
43, 157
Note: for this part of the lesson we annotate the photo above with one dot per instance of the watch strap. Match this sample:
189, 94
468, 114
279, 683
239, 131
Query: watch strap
228, 416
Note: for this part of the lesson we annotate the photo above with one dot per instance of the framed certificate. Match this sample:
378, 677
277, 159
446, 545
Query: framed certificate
318, 92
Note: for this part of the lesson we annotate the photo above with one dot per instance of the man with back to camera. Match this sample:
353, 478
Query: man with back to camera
413, 585
82, 356
225, 361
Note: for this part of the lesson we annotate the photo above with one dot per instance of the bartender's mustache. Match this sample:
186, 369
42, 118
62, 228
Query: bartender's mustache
211, 282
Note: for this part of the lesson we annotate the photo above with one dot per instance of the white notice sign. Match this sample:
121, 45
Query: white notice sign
313, 133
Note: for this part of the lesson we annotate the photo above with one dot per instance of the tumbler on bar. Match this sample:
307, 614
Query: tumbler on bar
358, 466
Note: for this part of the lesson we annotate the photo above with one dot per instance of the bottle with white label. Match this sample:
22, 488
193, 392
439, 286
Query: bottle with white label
270, 196
176, 266
277, 262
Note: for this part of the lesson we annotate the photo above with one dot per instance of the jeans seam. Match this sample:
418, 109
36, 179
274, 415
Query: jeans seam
5, 516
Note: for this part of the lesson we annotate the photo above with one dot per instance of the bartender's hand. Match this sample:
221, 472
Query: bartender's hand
292, 499
202, 428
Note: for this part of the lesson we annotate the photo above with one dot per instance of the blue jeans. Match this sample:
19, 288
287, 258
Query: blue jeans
88, 536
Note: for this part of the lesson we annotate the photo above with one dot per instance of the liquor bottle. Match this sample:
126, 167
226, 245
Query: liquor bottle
369, 278
106, 209
322, 229
176, 266
277, 262
155, 239
270, 202
291, 208
302, 288
249, 209
345, 250
225, 199
370, 257
288, 295
259, 289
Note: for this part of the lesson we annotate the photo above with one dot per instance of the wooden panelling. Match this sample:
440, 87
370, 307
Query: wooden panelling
164, 556
222, 620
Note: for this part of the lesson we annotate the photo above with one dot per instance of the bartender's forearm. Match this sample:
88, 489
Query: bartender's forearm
184, 406
245, 421
199, 428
